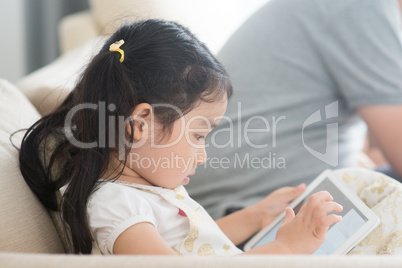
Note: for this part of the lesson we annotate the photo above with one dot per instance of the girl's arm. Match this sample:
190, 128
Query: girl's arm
141, 239
244, 223
241, 224
301, 234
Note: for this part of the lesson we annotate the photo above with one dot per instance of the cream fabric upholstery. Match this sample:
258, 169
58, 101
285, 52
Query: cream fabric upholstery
25, 226
276, 261
75, 30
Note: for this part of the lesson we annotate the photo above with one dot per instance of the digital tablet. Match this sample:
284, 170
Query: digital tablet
357, 222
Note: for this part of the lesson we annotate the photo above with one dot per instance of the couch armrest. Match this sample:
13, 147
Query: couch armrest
76, 29
17, 260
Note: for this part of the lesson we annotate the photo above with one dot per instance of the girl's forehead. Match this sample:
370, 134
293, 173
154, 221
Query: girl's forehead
209, 109
212, 107
207, 114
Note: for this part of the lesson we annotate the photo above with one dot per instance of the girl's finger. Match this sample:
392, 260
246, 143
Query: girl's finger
290, 214
293, 192
327, 221
330, 206
322, 220
322, 211
315, 201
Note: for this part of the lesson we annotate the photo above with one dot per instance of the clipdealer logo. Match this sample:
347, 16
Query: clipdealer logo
254, 124
330, 156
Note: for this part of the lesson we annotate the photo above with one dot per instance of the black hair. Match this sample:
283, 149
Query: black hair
164, 64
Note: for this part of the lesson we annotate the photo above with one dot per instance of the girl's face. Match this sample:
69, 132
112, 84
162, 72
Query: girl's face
168, 162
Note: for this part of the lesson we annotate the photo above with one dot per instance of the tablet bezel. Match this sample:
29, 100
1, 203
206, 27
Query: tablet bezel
351, 242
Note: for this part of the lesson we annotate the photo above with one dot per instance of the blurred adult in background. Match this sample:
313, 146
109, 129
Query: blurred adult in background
309, 77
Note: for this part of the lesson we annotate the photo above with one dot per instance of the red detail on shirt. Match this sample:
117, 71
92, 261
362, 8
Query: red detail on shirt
182, 213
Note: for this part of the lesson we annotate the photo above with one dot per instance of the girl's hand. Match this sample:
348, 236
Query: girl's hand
277, 202
242, 224
305, 233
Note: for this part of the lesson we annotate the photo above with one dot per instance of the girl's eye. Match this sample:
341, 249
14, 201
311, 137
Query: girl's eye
199, 137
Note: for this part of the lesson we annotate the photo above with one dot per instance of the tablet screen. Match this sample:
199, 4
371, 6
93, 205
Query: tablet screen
338, 233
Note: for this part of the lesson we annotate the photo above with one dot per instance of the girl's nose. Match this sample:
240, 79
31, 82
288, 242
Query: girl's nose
201, 157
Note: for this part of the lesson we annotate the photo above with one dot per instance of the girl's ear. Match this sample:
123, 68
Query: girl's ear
141, 116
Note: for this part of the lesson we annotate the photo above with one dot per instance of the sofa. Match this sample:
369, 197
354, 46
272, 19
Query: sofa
30, 236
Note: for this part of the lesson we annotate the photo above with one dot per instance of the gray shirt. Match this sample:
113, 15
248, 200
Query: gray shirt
300, 68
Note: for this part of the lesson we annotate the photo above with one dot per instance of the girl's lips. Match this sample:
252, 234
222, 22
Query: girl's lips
186, 180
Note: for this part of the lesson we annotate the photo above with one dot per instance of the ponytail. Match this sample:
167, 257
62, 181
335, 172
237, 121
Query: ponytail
49, 160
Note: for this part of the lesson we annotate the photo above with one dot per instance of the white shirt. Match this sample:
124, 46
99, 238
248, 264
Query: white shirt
114, 207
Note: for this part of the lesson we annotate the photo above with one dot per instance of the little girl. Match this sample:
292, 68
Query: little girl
130, 135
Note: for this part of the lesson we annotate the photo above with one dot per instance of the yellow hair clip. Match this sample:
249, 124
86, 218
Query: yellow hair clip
116, 47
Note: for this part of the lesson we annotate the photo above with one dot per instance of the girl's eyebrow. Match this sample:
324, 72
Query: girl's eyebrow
203, 123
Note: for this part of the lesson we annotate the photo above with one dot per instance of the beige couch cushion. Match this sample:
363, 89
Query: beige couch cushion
109, 15
246, 261
25, 226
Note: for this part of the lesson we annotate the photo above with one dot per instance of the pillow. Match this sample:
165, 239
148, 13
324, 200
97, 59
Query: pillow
109, 15
383, 195
25, 225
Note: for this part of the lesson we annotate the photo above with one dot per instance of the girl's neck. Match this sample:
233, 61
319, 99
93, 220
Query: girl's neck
127, 175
